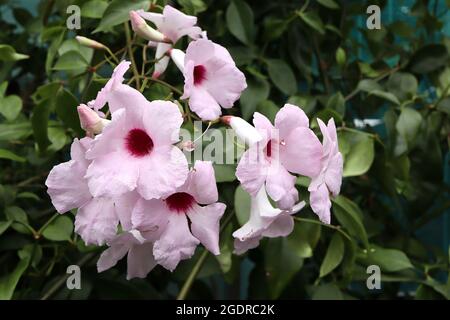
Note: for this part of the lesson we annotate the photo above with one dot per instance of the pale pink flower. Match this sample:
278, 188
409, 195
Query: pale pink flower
117, 94
139, 250
289, 146
174, 25
96, 220
265, 221
185, 218
211, 78
135, 152
329, 178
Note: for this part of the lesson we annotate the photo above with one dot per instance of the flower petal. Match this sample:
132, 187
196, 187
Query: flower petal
241, 247
333, 174
140, 260
162, 172
201, 183
124, 207
301, 152
162, 121
252, 170
289, 118
96, 222
203, 104
279, 182
150, 215
282, 226
321, 204
176, 243
205, 225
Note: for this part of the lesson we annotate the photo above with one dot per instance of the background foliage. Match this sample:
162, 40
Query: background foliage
316, 54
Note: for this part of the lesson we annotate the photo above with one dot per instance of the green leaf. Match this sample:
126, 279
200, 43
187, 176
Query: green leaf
429, 58
385, 95
9, 282
358, 152
10, 106
28, 195
312, 19
334, 255
444, 105
4, 225
66, 109
337, 102
118, 12
71, 60
403, 85
369, 85
94, 9
225, 172
282, 76
327, 291
59, 229
242, 205
389, 260
239, 18
341, 57
257, 91
6, 154
281, 264
8, 53
330, 4
15, 131
192, 7
407, 127
274, 28
349, 216
269, 109
52, 51
39, 121
303, 239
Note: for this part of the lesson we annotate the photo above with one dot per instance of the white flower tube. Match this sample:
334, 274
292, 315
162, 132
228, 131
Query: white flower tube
244, 130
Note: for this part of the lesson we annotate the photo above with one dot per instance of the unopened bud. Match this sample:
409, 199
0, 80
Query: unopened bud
178, 58
90, 121
86, 42
243, 129
142, 29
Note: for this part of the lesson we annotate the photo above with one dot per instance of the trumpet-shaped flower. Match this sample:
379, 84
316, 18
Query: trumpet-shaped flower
289, 146
265, 221
174, 25
330, 177
135, 152
183, 219
211, 78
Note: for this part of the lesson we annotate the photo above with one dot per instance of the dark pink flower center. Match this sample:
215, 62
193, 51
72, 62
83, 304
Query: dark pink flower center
269, 149
138, 143
180, 202
199, 74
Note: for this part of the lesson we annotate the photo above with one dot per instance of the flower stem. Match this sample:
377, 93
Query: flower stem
130, 53
337, 228
199, 264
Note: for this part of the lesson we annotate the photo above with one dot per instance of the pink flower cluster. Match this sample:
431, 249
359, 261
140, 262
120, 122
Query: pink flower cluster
132, 186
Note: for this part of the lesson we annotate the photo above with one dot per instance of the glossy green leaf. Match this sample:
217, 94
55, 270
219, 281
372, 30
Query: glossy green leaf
331, 4
6, 154
256, 92
59, 229
242, 205
71, 60
118, 11
9, 281
313, 20
334, 255
358, 153
282, 76
349, 216
8, 53
94, 9
66, 109
239, 18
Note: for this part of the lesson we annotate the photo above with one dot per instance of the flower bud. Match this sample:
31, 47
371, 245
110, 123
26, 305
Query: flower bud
178, 58
142, 29
90, 121
86, 42
243, 129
